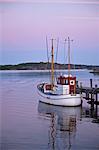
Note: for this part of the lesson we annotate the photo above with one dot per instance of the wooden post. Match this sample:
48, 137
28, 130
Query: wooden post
92, 100
87, 95
80, 87
96, 101
96, 93
91, 83
91, 89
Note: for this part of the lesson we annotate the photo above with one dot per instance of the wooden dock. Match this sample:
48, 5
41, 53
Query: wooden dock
89, 90
91, 93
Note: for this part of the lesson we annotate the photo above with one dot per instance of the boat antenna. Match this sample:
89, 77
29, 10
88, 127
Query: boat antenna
69, 67
52, 66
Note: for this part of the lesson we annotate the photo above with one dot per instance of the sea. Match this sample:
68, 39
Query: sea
28, 124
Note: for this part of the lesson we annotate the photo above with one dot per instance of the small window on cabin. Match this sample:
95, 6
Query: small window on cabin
66, 81
62, 81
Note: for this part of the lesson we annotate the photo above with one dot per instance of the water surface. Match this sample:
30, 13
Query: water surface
25, 123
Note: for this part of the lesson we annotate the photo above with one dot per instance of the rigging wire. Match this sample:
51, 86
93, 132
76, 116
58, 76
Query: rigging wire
48, 59
65, 56
57, 49
47, 49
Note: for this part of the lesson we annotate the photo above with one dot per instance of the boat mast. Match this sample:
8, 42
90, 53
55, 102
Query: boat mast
68, 56
52, 66
69, 67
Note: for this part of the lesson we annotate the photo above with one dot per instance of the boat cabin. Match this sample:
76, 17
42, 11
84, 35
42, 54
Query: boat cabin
66, 84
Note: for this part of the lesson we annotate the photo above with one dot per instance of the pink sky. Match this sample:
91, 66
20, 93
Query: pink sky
25, 26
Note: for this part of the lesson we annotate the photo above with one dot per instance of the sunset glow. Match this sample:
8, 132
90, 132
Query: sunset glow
25, 24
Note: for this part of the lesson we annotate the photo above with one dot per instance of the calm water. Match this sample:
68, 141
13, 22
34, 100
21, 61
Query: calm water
27, 124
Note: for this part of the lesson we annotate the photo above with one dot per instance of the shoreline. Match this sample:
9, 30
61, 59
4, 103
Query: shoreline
42, 70
46, 66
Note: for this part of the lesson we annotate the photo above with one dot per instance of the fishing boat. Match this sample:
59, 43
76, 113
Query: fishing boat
62, 89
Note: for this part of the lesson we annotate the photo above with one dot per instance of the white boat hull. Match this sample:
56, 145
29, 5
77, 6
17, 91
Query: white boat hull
60, 100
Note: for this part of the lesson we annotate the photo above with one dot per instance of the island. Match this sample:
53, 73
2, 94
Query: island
46, 65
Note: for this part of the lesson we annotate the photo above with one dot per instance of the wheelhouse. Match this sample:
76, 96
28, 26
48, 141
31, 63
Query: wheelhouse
67, 80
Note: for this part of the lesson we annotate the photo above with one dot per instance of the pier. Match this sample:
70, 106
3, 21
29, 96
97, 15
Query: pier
91, 93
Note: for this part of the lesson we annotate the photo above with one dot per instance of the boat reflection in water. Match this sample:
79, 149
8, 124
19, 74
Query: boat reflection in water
63, 122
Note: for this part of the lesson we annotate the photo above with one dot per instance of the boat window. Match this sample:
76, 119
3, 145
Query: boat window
66, 81
63, 81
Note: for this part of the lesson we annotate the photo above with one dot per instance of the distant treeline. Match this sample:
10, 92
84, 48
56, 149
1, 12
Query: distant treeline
45, 65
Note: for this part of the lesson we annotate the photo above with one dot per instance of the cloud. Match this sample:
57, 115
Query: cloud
53, 1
